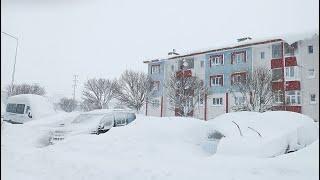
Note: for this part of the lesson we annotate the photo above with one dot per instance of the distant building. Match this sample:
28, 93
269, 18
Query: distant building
294, 63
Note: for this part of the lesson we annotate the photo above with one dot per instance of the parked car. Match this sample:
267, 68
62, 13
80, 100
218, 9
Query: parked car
26, 107
93, 122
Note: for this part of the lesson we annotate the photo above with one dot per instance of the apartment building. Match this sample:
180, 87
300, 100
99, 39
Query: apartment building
294, 63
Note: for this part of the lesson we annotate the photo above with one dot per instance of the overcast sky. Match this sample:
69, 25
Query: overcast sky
102, 38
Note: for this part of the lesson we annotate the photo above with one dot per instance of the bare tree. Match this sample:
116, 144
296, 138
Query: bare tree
256, 91
86, 106
68, 104
25, 89
184, 93
98, 93
134, 89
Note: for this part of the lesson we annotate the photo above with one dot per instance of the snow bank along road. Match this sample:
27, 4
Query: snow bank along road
149, 148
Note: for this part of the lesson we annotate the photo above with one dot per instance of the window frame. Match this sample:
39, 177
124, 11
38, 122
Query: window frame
315, 99
216, 60
281, 75
290, 97
310, 49
152, 69
241, 75
278, 97
215, 101
221, 77
277, 51
313, 74
237, 98
262, 55
157, 87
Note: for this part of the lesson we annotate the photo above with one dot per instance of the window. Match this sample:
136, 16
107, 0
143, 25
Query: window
187, 63
156, 85
20, 109
277, 74
172, 67
238, 57
310, 49
216, 60
201, 99
293, 97
278, 97
239, 77
262, 55
155, 69
155, 103
277, 50
216, 80
311, 73
217, 101
313, 99
290, 72
288, 50
11, 108
201, 64
239, 100
15, 108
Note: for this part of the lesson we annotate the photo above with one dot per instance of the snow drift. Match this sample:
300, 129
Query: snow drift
266, 134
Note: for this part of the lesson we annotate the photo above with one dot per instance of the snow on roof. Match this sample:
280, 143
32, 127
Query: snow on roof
289, 38
40, 106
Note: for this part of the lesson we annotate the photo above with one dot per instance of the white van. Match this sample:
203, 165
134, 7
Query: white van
26, 107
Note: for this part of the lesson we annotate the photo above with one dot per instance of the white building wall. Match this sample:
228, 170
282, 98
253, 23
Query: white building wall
154, 110
215, 110
309, 85
256, 56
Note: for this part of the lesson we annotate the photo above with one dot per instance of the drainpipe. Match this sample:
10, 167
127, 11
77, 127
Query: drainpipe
227, 102
205, 107
283, 77
147, 107
161, 106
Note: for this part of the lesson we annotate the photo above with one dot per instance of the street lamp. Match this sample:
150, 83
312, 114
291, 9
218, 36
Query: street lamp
15, 57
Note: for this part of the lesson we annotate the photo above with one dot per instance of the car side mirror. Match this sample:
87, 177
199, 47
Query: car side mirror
29, 114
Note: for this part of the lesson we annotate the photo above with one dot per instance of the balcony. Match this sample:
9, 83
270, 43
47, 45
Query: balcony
291, 61
184, 73
276, 63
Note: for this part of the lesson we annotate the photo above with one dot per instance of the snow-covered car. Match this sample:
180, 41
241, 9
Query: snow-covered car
26, 107
93, 122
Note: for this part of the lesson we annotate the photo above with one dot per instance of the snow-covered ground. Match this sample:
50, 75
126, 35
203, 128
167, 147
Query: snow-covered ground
148, 148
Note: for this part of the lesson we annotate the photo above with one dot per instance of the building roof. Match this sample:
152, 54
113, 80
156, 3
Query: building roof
290, 39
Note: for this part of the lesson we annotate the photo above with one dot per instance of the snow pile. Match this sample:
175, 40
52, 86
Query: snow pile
148, 148
266, 134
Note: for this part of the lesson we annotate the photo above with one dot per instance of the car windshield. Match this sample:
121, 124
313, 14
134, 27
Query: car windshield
83, 118
15, 108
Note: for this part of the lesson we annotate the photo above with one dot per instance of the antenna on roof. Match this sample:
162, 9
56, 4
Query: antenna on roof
173, 52
243, 39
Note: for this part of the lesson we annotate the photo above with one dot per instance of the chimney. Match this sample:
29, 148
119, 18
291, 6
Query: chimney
173, 52
244, 39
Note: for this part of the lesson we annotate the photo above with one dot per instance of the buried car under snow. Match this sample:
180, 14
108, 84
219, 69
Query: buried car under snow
267, 134
93, 122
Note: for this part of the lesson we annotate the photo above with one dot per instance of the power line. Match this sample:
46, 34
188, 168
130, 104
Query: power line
75, 80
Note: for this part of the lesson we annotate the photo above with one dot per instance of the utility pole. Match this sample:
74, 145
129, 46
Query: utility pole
75, 80
15, 56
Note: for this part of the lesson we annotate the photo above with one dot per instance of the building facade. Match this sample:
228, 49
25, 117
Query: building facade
294, 67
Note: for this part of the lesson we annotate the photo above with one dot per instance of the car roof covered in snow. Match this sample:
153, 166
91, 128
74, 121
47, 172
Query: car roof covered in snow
106, 111
40, 106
